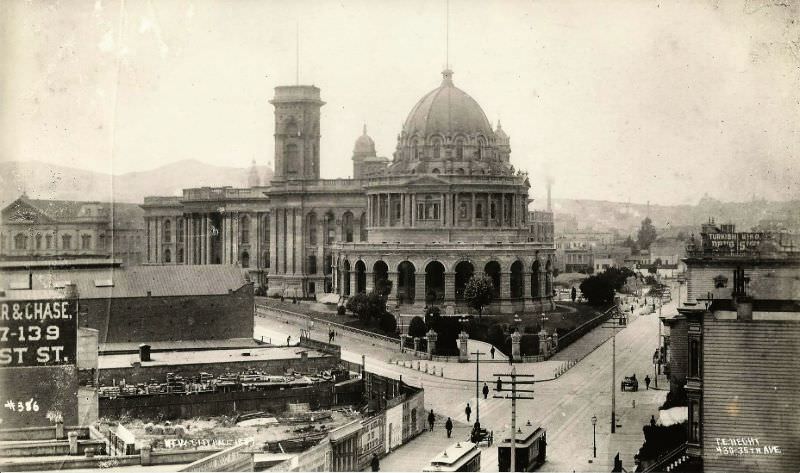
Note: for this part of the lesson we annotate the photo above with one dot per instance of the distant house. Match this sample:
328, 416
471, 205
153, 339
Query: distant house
36, 229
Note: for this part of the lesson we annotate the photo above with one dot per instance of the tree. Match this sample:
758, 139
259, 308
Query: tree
574, 293
598, 290
479, 292
681, 236
367, 306
417, 328
647, 234
630, 243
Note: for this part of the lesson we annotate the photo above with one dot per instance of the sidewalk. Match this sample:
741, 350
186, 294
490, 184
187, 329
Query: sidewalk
417, 454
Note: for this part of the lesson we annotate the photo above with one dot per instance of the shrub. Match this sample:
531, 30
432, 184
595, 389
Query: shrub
479, 292
341, 310
417, 328
496, 336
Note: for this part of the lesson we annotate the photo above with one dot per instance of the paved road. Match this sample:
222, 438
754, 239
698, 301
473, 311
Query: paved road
563, 406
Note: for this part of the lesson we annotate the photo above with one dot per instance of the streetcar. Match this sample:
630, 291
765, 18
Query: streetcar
463, 456
531, 443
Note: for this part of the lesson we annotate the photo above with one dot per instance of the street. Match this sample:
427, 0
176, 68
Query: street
564, 406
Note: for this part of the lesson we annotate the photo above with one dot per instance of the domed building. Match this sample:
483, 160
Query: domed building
448, 205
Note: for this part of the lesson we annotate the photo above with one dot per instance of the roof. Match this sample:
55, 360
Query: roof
453, 453
525, 434
364, 144
172, 358
447, 110
136, 281
123, 215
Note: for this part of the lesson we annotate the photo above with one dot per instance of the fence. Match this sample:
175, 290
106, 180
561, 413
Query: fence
584, 328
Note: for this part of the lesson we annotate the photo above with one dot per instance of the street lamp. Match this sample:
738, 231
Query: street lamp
594, 436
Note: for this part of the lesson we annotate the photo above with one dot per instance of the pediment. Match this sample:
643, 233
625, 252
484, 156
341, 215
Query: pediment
20, 211
427, 180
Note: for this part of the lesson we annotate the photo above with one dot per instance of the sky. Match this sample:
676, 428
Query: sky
615, 100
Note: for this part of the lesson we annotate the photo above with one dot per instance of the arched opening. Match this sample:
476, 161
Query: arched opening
516, 280
434, 282
244, 230
347, 227
548, 279
405, 282
492, 269
435, 171
167, 230
380, 276
290, 158
21, 241
245, 260
312, 228
362, 234
361, 277
345, 278
460, 149
167, 256
535, 279
464, 272
437, 149
180, 255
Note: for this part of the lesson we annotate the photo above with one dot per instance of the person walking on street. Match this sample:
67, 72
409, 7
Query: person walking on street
375, 463
647, 381
653, 421
485, 391
491, 352
468, 411
449, 427
288, 340
330, 336
431, 420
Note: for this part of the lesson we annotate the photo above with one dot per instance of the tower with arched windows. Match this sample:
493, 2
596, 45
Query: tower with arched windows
297, 134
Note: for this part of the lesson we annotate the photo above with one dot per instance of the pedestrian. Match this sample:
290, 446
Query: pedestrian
468, 411
334, 335
485, 391
653, 421
511, 359
288, 340
431, 420
375, 463
631, 309
647, 381
330, 336
448, 426
491, 352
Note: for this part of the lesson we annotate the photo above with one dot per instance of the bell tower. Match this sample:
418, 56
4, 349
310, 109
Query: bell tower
297, 115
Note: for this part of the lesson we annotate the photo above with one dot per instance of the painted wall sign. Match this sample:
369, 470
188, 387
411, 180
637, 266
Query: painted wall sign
38, 333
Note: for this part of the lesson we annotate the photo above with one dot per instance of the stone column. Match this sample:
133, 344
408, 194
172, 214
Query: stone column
353, 279
388, 209
207, 255
432, 337
413, 220
419, 287
393, 278
442, 209
449, 286
502, 209
516, 351
542, 282
463, 347
505, 292
370, 281
473, 211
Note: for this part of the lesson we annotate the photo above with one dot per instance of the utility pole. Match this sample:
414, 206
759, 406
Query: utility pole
512, 466
658, 345
477, 384
614, 379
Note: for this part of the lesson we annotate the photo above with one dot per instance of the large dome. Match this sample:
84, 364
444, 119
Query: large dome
447, 133
447, 111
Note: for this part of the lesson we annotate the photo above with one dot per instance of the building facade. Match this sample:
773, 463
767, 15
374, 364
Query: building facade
35, 229
448, 205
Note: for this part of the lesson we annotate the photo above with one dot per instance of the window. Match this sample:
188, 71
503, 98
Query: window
363, 233
180, 255
180, 230
20, 241
312, 265
695, 361
437, 150
312, 229
48, 242
428, 209
492, 211
167, 231
244, 230
462, 210
86, 242
347, 227
478, 211
330, 232
245, 260
66, 242
167, 256
39, 242
396, 211
460, 149
436, 171
695, 421
290, 157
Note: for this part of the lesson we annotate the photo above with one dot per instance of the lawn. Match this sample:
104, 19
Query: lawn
304, 308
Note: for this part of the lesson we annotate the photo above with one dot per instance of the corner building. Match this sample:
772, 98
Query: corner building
448, 205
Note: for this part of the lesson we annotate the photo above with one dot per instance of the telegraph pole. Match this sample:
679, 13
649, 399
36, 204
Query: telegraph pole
614, 379
514, 396
477, 384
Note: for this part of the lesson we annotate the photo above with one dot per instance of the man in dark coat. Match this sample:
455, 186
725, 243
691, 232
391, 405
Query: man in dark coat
449, 427
376, 466
485, 391
468, 411
431, 420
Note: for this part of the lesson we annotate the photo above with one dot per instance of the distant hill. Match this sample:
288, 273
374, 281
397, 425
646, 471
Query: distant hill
47, 181
669, 219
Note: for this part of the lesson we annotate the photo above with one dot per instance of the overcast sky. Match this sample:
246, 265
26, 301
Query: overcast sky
630, 100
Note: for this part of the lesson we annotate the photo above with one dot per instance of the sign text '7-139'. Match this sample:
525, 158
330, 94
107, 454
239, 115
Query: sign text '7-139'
38, 333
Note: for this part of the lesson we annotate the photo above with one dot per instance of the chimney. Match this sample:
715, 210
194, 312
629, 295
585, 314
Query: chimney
144, 352
70, 291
